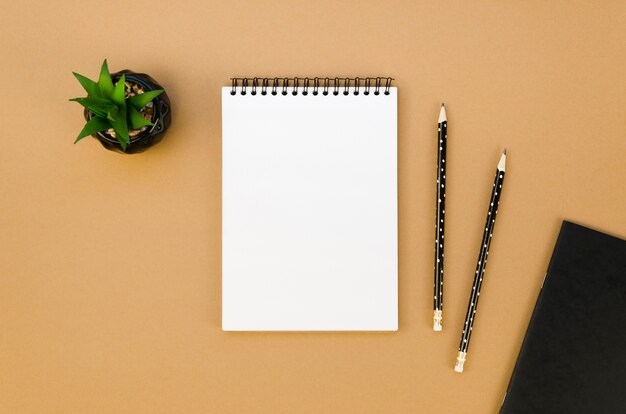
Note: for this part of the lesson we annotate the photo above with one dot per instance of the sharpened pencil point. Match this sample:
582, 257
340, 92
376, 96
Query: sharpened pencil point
502, 163
442, 114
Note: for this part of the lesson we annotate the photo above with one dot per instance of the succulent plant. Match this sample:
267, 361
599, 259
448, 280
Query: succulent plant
110, 108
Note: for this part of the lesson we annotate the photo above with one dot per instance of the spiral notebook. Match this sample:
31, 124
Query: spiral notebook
309, 205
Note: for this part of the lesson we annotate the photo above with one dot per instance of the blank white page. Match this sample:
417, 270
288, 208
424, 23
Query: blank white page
309, 212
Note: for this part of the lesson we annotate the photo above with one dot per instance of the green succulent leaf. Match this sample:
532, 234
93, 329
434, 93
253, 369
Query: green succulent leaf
98, 106
99, 112
141, 100
93, 99
111, 115
136, 119
118, 92
90, 86
120, 126
105, 83
92, 126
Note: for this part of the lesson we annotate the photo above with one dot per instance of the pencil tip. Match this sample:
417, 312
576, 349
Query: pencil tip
505, 151
442, 104
502, 163
442, 114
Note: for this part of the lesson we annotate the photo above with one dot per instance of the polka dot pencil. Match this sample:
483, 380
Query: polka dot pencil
482, 263
442, 137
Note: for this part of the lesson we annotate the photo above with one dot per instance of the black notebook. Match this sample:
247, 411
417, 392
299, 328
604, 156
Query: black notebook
573, 358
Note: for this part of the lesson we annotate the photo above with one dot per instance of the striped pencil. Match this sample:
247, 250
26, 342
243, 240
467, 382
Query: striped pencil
482, 263
442, 137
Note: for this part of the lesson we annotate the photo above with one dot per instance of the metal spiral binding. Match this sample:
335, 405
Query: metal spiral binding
302, 85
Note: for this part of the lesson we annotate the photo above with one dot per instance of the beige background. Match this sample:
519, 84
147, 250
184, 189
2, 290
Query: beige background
110, 265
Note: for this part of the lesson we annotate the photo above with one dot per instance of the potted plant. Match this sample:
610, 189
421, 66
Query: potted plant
127, 112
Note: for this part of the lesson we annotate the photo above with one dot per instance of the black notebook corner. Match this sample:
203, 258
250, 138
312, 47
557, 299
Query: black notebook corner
572, 358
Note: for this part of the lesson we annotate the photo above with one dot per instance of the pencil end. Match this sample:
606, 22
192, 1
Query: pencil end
502, 163
460, 361
437, 318
442, 114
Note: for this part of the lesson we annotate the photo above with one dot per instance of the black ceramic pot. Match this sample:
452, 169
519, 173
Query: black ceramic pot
161, 119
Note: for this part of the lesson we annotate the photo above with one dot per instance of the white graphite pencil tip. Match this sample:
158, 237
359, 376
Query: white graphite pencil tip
442, 114
502, 163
